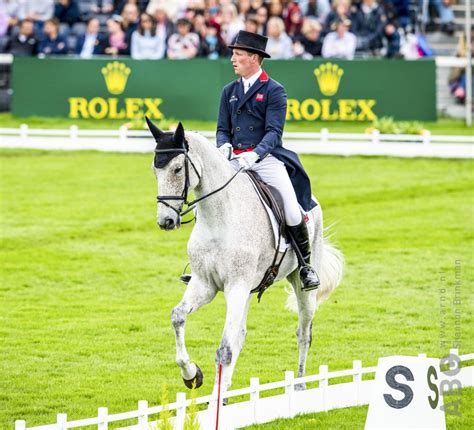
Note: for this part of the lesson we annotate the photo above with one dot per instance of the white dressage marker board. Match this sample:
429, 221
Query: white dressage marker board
406, 395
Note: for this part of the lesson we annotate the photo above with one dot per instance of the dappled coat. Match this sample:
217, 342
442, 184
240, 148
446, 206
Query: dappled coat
256, 120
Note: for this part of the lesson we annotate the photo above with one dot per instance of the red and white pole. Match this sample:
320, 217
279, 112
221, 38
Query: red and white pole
219, 379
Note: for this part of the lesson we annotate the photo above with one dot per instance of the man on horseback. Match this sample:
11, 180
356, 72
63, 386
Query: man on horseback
250, 126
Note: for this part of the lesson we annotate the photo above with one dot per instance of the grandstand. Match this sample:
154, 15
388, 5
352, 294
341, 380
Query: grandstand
400, 29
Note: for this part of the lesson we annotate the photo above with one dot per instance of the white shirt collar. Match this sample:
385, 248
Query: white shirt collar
252, 79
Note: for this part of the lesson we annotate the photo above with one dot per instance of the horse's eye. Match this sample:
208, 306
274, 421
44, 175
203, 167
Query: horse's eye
177, 170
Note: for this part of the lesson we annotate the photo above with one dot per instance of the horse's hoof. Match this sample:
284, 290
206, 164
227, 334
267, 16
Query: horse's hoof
195, 382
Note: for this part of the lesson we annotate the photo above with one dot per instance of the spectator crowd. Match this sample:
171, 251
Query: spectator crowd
185, 29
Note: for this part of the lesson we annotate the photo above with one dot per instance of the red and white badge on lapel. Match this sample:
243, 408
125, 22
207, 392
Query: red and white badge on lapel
259, 97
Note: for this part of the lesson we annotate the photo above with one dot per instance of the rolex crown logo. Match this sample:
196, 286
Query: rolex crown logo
116, 75
328, 76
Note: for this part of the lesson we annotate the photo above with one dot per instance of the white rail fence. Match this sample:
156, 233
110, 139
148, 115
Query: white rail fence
323, 142
257, 409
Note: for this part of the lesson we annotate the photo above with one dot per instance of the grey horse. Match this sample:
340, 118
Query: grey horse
230, 247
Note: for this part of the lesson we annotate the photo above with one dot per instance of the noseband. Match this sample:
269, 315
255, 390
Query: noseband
184, 195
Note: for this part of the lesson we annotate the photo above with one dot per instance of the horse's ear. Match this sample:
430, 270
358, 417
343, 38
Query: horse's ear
155, 131
179, 134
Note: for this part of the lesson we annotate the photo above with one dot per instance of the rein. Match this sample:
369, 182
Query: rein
184, 195
272, 271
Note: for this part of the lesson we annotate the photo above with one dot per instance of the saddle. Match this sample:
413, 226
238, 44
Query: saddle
272, 198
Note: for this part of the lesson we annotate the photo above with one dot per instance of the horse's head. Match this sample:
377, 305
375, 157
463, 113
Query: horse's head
175, 172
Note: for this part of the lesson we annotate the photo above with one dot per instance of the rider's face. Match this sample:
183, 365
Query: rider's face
244, 62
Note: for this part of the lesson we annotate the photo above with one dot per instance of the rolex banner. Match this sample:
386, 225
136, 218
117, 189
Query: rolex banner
319, 90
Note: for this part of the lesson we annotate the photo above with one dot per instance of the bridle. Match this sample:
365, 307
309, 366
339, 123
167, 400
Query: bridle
184, 195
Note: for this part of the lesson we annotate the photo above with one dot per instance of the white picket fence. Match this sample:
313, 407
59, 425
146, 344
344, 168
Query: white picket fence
323, 142
257, 409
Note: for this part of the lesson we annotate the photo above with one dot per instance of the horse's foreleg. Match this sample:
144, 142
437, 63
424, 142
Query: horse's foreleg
196, 295
235, 329
306, 309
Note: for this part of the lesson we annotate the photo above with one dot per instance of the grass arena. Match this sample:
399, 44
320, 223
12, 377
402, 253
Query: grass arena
89, 281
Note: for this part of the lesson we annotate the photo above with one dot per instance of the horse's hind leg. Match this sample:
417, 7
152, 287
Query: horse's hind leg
306, 309
196, 295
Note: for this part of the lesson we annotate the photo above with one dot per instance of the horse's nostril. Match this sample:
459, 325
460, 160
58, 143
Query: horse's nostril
169, 223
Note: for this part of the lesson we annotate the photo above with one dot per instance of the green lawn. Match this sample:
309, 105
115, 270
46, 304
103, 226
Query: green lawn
88, 282
444, 126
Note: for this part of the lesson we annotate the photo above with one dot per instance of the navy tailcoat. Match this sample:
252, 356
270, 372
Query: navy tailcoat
256, 120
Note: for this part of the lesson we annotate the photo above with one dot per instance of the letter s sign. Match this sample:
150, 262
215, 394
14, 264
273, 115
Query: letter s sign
404, 388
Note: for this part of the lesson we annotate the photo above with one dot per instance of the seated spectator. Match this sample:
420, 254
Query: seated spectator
393, 41
183, 44
198, 25
164, 26
67, 12
37, 10
261, 15
340, 43
91, 42
116, 42
251, 24
193, 12
275, 8
147, 44
255, 5
316, 8
212, 11
52, 43
279, 44
230, 23
212, 46
130, 16
244, 9
24, 44
309, 43
341, 10
293, 20
368, 25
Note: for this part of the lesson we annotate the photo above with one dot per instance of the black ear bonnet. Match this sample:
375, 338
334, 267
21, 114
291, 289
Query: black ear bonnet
168, 144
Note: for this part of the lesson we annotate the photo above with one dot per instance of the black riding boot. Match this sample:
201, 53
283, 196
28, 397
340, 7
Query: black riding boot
300, 239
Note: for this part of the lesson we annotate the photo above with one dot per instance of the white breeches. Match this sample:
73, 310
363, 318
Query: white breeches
273, 172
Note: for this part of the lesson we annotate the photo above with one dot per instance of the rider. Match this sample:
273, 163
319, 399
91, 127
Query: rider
251, 120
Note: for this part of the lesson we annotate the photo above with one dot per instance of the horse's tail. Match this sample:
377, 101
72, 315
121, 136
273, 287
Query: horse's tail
332, 268
330, 274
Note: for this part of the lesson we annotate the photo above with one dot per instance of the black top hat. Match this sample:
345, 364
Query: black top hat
251, 42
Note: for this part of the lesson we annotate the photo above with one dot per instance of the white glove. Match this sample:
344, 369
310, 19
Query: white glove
226, 150
248, 159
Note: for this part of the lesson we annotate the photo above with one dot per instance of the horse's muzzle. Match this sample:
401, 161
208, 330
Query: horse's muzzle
169, 223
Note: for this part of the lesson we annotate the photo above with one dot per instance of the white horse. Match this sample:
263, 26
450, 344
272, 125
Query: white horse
230, 248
